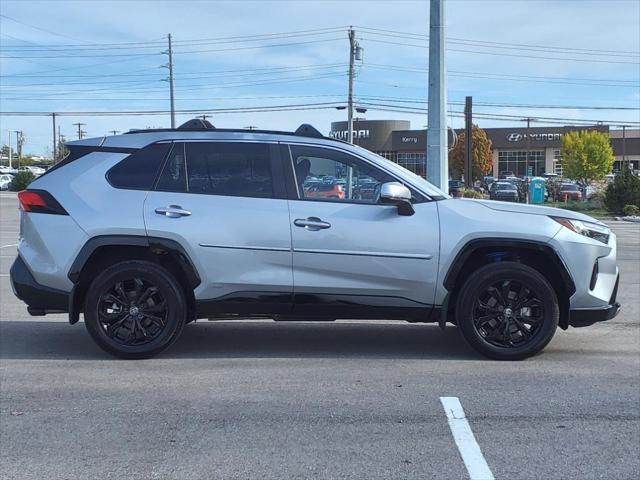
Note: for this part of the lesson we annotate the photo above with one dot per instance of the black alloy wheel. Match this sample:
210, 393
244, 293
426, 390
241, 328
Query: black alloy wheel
507, 311
135, 309
132, 312
508, 314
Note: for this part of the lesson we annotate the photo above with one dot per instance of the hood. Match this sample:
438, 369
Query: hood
533, 210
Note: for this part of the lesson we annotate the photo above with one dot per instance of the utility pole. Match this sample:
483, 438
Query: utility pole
352, 57
528, 147
468, 129
204, 117
114, 132
80, 132
624, 146
55, 142
10, 154
169, 52
437, 162
19, 143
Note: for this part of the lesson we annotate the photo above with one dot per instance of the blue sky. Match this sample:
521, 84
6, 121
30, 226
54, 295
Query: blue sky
587, 55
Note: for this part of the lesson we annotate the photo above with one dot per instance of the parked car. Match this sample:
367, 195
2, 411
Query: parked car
487, 181
324, 190
505, 174
244, 240
5, 170
5, 181
570, 191
505, 191
456, 187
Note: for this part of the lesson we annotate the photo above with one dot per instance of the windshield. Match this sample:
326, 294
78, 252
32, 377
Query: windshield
505, 186
411, 177
571, 188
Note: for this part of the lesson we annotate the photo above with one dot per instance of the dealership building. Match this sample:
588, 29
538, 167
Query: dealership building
394, 139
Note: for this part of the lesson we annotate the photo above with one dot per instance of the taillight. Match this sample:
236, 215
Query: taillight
40, 201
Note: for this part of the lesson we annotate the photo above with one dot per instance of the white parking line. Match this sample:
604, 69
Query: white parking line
10, 245
466, 442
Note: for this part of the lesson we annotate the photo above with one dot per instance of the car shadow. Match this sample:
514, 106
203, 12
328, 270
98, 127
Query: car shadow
246, 339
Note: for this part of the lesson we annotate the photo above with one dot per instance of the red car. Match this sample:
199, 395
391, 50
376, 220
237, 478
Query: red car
324, 190
570, 191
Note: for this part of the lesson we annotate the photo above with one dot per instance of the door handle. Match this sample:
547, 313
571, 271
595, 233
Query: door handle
312, 223
173, 211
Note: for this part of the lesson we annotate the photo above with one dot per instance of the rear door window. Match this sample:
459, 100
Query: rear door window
231, 169
139, 170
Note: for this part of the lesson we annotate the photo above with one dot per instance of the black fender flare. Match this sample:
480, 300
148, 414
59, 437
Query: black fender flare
473, 245
156, 245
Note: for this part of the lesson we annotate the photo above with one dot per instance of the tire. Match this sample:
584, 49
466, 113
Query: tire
507, 311
135, 309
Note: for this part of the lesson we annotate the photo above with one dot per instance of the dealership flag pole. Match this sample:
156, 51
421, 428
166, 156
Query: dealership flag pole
437, 163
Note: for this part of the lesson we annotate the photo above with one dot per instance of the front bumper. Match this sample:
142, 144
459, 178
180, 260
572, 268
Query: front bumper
583, 317
40, 299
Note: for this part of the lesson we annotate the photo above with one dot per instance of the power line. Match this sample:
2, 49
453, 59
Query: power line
514, 45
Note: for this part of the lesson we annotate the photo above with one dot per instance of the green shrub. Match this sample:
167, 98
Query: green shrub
471, 193
21, 181
631, 210
587, 206
624, 190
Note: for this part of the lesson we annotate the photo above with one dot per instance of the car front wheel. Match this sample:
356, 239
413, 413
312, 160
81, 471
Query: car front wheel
134, 309
507, 311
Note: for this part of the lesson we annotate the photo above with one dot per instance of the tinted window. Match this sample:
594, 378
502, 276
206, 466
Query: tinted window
139, 170
172, 178
323, 174
233, 169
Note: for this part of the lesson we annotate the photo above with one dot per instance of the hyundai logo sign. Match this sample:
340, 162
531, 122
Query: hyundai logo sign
517, 137
344, 134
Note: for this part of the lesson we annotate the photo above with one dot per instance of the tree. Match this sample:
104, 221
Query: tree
5, 152
481, 149
623, 191
586, 155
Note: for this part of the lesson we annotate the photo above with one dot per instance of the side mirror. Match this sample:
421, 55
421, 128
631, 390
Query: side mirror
394, 193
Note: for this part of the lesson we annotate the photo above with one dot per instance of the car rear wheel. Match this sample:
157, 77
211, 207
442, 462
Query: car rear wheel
135, 309
507, 311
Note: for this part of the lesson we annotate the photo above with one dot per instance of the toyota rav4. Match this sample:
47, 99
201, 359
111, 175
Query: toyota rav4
144, 232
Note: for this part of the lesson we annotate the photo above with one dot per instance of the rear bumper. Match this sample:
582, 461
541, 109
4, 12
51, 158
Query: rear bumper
40, 299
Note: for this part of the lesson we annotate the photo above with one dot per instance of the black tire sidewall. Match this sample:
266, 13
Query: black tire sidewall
493, 273
171, 291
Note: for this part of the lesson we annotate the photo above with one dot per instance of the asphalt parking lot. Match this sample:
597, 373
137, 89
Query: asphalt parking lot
354, 400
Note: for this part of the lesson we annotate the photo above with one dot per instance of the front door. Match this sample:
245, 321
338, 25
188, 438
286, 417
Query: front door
220, 200
352, 256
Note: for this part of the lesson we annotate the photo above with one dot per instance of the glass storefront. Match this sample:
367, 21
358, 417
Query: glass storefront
516, 161
413, 161
557, 162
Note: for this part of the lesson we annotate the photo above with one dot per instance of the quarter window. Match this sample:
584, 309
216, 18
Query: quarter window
329, 175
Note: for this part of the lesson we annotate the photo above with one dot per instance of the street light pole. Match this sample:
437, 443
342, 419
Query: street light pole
10, 154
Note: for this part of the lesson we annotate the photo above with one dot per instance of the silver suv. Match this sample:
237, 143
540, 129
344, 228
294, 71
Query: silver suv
147, 231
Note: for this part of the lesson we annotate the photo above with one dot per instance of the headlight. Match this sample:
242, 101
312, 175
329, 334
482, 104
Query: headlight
588, 229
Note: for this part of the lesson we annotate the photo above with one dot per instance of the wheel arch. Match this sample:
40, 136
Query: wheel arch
538, 255
102, 251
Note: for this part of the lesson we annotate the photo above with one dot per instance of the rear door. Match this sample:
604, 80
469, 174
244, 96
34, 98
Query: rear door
225, 203
352, 256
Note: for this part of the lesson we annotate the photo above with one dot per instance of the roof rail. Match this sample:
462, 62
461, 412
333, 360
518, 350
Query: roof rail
200, 125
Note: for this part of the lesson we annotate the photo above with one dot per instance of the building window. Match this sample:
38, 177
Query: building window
388, 155
516, 161
557, 162
414, 162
